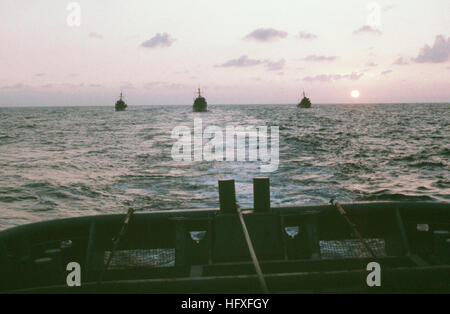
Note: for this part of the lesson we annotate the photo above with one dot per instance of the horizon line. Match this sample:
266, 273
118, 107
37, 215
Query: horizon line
243, 104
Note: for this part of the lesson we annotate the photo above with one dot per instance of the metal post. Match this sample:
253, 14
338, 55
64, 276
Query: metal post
261, 194
227, 196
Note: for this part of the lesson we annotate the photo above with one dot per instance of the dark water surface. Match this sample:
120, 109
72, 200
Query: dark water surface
72, 161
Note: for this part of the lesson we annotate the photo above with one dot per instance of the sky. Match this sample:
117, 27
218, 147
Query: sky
69, 53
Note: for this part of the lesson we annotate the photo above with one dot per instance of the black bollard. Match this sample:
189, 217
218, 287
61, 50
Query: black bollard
227, 196
261, 194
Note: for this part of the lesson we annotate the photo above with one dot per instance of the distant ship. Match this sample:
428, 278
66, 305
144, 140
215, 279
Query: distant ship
305, 102
199, 103
121, 105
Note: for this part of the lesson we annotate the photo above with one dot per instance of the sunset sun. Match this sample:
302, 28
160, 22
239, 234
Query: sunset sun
355, 93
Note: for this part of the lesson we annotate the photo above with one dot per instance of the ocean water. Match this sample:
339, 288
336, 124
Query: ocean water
71, 161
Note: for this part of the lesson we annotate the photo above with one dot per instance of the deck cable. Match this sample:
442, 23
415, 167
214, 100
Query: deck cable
248, 240
352, 226
262, 281
116, 242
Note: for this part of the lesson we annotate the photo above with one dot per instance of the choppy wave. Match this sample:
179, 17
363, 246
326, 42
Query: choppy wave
387, 195
69, 161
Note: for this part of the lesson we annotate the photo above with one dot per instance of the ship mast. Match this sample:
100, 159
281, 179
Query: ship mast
199, 92
120, 95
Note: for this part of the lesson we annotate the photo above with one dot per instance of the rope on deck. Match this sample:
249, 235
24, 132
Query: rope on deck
116, 242
262, 281
352, 226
